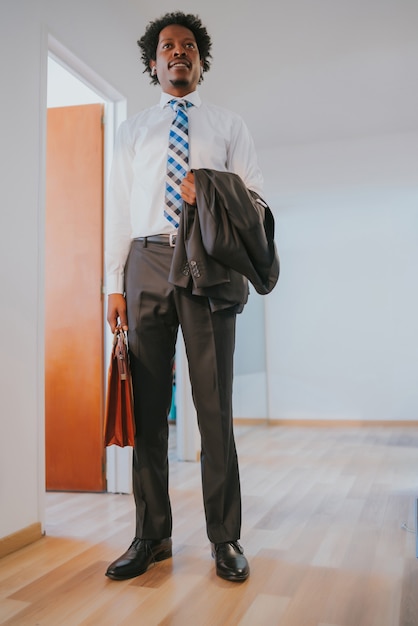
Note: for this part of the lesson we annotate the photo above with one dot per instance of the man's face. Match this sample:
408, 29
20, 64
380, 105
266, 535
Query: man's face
177, 64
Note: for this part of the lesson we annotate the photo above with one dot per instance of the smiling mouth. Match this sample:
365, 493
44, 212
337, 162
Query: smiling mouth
180, 64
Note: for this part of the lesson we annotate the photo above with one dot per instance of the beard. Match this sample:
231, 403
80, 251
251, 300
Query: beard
180, 82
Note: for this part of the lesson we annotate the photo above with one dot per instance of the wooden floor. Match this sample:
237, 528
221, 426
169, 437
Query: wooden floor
323, 519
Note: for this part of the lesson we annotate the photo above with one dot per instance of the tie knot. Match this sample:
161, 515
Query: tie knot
179, 104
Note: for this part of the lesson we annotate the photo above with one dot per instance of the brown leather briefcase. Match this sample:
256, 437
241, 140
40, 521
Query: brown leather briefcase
119, 414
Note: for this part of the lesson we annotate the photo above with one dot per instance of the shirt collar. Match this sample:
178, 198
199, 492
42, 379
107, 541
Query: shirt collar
193, 97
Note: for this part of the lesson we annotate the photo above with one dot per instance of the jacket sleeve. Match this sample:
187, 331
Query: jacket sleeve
237, 227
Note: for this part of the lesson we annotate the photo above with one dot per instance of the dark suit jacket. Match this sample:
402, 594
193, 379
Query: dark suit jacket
225, 241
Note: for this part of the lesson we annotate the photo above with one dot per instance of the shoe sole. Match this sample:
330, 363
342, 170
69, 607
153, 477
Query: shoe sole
156, 558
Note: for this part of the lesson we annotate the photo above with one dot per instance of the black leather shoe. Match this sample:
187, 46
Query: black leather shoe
231, 563
140, 554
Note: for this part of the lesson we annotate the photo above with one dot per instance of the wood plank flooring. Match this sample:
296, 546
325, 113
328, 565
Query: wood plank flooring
323, 510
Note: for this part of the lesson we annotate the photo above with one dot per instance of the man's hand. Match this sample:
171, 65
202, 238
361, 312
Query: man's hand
188, 189
116, 312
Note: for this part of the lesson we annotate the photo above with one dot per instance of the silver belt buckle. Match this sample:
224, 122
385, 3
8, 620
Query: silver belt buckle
172, 239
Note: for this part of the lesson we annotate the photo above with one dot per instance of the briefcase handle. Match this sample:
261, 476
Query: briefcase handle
120, 343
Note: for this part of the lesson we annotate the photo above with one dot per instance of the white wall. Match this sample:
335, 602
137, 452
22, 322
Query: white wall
24, 27
335, 86
65, 89
341, 324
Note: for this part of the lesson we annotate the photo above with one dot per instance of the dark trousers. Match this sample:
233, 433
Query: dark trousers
155, 310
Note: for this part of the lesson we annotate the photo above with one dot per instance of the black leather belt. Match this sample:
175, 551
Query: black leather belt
164, 240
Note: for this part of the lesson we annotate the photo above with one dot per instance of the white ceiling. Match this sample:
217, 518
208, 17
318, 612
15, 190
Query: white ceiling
306, 71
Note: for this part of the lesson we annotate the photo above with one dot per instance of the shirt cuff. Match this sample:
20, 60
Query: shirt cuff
115, 284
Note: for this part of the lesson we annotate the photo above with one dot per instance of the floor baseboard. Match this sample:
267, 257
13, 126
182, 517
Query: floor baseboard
328, 423
20, 539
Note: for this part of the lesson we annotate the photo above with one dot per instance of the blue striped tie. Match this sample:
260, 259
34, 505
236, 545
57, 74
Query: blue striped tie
177, 160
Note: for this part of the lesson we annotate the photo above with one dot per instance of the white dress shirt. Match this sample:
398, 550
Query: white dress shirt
218, 139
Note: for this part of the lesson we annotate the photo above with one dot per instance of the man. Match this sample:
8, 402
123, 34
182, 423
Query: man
140, 234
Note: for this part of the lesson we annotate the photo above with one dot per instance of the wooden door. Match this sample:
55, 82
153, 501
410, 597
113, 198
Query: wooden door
74, 388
